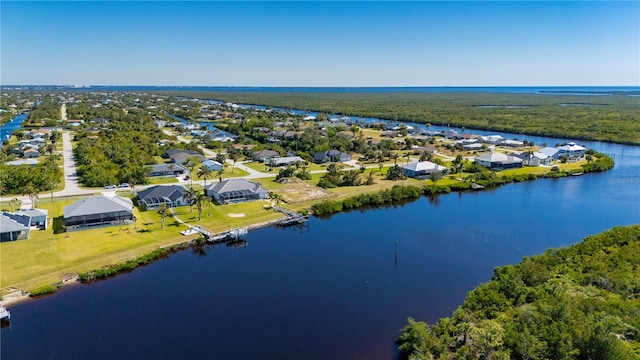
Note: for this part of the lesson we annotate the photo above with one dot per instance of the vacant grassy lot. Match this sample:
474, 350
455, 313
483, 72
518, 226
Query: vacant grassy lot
225, 217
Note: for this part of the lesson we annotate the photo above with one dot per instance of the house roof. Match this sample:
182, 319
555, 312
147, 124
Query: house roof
9, 225
266, 152
167, 167
287, 159
423, 166
496, 157
98, 204
211, 163
34, 212
549, 151
235, 185
172, 192
571, 147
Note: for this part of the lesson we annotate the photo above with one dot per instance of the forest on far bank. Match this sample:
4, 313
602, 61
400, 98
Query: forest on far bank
578, 302
611, 118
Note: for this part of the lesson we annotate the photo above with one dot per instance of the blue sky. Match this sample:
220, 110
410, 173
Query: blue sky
212, 43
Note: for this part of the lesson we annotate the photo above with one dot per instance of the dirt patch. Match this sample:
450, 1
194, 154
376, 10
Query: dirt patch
299, 191
233, 215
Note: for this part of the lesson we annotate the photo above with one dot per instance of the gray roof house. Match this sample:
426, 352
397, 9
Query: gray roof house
551, 152
98, 210
12, 227
172, 196
499, 161
236, 190
38, 217
166, 170
330, 156
182, 157
422, 169
264, 155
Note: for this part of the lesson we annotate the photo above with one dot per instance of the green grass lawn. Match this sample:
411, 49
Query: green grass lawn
218, 218
162, 180
46, 257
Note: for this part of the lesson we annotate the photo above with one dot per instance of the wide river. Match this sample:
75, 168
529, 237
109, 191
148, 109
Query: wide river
337, 290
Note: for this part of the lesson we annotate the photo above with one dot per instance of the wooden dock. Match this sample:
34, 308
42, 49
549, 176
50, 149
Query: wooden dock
292, 217
233, 234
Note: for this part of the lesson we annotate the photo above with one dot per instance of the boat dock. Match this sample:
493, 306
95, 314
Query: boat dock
4, 313
292, 217
233, 234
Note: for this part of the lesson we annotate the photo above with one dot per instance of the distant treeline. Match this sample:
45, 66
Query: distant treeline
580, 302
612, 118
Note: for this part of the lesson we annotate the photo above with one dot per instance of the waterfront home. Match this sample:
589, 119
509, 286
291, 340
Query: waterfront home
534, 158
170, 195
330, 156
98, 210
571, 150
491, 139
38, 217
498, 161
167, 170
264, 155
236, 190
512, 143
550, 152
285, 161
14, 226
422, 169
212, 165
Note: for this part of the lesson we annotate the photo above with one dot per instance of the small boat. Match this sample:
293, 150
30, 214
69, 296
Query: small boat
4, 313
576, 174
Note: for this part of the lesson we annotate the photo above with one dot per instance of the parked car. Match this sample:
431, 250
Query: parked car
123, 185
108, 187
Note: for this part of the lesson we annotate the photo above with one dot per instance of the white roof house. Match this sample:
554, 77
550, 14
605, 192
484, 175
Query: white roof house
236, 190
98, 210
418, 169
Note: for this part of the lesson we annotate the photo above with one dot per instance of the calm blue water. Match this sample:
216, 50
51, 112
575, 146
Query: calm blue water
8, 128
337, 291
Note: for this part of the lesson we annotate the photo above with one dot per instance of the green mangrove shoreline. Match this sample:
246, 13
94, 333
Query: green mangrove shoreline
613, 119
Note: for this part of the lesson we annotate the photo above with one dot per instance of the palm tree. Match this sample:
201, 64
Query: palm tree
14, 203
275, 196
190, 164
219, 172
395, 157
205, 173
164, 211
234, 156
190, 195
199, 200
32, 193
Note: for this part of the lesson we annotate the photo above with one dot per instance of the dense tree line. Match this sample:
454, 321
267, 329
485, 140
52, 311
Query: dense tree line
41, 177
120, 153
45, 113
580, 302
612, 118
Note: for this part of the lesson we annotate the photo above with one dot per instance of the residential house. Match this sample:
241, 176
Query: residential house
98, 210
236, 190
492, 139
499, 161
571, 150
38, 217
182, 157
167, 170
212, 165
512, 143
172, 196
265, 155
550, 152
423, 169
30, 153
13, 227
284, 161
330, 156
473, 147
534, 158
